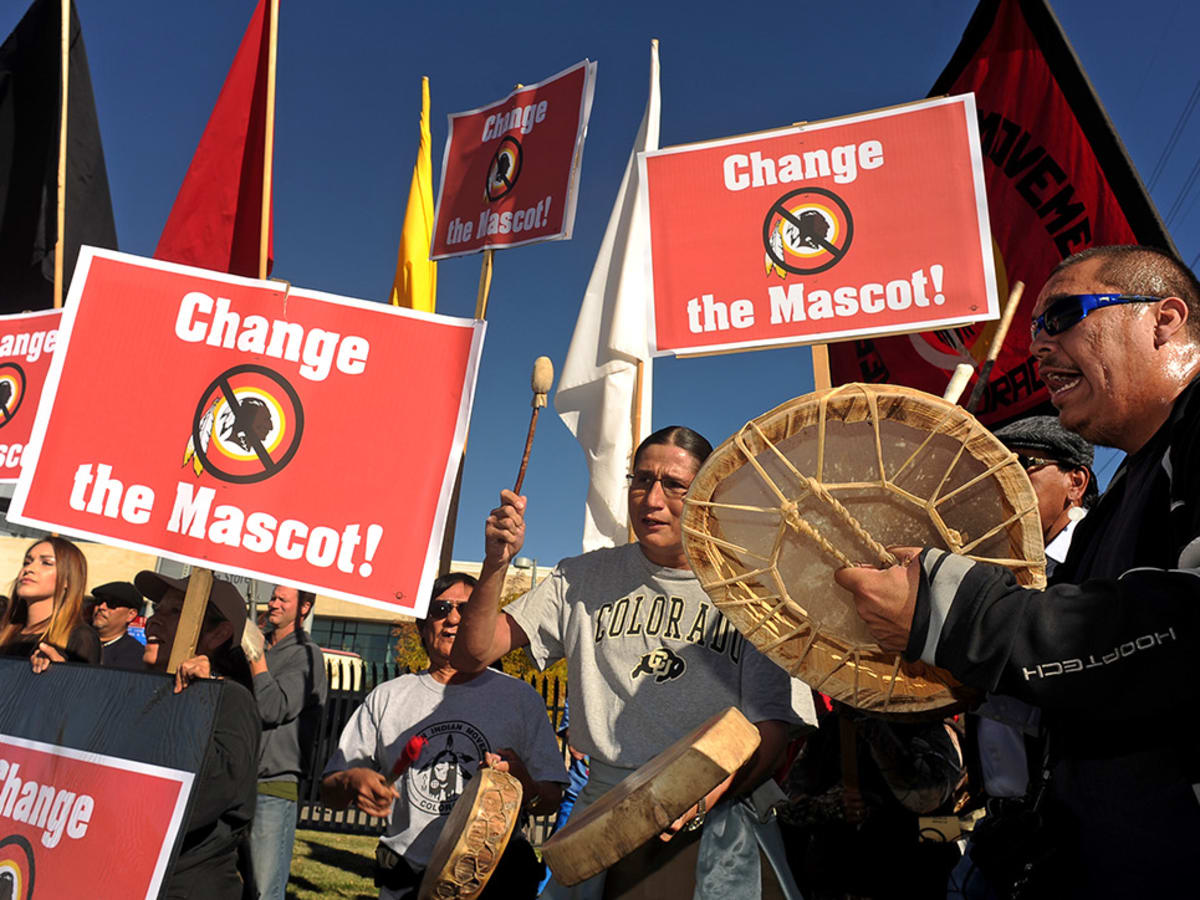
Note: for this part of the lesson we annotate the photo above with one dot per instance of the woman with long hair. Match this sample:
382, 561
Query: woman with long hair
44, 619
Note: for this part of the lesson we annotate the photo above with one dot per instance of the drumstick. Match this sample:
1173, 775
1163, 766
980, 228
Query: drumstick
411, 753
542, 378
958, 382
1014, 300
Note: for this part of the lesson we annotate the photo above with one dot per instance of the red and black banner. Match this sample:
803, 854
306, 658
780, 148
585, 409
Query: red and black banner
1058, 181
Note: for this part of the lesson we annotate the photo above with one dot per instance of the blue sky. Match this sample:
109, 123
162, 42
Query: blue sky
348, 97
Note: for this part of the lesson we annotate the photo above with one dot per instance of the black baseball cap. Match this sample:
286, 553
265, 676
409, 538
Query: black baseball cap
224, 597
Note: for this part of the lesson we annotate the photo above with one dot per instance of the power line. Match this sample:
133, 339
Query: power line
1176, 134
1184, 191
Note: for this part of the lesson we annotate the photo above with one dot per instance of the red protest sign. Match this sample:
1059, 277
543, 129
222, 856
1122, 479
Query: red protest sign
71, 820
277, 433
27, 343
510, 173
871, 224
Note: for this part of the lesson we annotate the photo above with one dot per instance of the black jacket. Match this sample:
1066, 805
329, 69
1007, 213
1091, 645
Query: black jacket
1109, 652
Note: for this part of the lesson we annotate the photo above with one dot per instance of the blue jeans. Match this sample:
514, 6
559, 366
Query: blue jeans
271, 838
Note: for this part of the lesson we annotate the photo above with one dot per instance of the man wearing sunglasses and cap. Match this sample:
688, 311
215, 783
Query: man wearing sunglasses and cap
1059, 464
117, 604
1107, 650
452, 722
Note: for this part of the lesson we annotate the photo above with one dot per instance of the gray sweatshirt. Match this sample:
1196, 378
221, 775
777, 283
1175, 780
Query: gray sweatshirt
290, 695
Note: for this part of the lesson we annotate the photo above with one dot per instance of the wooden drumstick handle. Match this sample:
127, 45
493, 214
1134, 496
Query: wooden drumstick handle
540, 381
1010, 310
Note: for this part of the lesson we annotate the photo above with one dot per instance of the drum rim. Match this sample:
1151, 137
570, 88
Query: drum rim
907, 690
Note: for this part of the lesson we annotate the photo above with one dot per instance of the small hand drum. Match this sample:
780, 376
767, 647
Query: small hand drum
832, 479
644, 804
473, 838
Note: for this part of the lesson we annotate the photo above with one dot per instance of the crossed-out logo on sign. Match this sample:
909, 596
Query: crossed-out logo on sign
247, 426
663, 663
449, 760
806, 231
16, 868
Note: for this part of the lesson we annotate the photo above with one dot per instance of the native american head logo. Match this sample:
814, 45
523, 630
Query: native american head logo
664, 664
16, 868
806, 231
247, 426
504, 169
12, 391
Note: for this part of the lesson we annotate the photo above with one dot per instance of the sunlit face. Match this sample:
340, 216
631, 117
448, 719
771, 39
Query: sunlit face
1056, 489
1094, 370
111, 621
283, 608
162, 625
656, 517
39, 574
438, 634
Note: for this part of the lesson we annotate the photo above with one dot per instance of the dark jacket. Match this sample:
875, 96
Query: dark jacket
222, 804
1108, 652
123, 653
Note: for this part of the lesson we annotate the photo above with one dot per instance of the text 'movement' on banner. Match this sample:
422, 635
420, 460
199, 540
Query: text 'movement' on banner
866, 225
510, 174
278, 433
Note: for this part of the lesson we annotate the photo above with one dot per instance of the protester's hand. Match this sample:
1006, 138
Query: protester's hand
370, 791
44, 655
191, 670
886, 598
504, 532
506, 759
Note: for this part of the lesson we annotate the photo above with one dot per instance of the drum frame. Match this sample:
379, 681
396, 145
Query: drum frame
756, 601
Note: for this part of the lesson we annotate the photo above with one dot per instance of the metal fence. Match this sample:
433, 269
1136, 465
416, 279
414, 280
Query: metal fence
341, 704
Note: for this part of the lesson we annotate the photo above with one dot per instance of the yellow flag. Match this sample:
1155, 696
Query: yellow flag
415, 285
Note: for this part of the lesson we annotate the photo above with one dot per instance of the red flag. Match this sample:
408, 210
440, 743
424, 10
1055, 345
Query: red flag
216, 220
1058, 181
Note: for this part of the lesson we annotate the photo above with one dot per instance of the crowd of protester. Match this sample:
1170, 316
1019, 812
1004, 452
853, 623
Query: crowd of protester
1076, 786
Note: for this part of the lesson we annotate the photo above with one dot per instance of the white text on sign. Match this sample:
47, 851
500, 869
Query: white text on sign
53, 810
201, 319
97, 492
842, 163
522, 117
793, 304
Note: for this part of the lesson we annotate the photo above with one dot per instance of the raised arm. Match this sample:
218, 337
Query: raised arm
485, 634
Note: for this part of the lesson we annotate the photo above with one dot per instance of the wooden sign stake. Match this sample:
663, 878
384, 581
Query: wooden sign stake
188, 632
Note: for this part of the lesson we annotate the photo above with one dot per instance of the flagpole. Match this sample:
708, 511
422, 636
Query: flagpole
485, 285
264, 233
636, 418
60, 240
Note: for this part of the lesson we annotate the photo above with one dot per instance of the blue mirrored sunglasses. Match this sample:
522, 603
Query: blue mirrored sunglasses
1066, 312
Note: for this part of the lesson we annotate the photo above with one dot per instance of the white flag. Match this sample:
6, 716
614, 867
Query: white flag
596, 391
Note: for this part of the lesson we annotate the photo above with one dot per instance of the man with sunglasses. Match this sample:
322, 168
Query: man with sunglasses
1107, 650
459, 721
1059, 465
649, 658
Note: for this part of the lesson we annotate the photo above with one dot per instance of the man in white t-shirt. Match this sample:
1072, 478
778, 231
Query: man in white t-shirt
466, 720
649, 657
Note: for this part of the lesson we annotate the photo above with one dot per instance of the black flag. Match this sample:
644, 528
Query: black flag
30, 72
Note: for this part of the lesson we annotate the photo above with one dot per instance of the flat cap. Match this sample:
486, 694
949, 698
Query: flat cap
1046, 435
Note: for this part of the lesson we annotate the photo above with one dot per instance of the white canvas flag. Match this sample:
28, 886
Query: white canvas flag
596, 392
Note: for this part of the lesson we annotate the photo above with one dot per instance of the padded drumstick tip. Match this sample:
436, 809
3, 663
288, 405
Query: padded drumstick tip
541, 380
